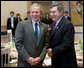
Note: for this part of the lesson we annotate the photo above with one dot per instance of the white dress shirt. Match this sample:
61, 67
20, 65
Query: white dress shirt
33, 22
12, 22
58, 22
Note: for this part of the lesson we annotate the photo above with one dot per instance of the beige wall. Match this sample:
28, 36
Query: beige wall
17, 6
20, 7
65, 3
46, 5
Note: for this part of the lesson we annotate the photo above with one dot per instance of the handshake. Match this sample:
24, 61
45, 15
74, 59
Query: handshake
33, 61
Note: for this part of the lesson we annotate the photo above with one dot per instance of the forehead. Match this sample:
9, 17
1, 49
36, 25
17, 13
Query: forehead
11, 13
66, 13
35, 8
53, 8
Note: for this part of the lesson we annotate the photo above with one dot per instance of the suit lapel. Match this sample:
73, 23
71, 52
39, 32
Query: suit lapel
58, 26
40, 32
32, 31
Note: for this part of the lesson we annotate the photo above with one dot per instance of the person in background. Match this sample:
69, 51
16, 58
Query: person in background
18, 19
66, 16
11, 23
61, 39
47, 19
41, 17
28, 16
30, 39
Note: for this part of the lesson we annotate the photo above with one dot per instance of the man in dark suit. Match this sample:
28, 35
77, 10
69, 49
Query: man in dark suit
47, 19
11, 23
61, 41
28, 16
30, 39
66, 16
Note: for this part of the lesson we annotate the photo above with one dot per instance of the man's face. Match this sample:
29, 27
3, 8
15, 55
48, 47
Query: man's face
55, 14
66, 14
35, 13
18, 16
28, 14
11, 14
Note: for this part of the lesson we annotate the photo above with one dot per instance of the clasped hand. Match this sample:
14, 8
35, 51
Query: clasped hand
33, 61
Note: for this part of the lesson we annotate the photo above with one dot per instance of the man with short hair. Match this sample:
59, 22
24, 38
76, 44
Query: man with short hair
11, 23
61, 40
30, 39
66, 16
28, 16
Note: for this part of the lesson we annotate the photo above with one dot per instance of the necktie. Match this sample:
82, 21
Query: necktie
51, 33
53, 28
36, 33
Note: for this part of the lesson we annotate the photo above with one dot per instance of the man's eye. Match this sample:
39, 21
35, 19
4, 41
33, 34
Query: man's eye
35, 12
32, 12
53, 12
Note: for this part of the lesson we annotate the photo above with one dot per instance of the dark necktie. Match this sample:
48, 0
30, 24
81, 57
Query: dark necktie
53, 28
36, 33
51, 33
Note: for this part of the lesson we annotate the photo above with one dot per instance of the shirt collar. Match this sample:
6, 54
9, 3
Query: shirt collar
12, 17
33, 22
66, 16
58, 21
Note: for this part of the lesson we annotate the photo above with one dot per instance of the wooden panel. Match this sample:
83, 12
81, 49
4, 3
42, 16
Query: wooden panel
3, 27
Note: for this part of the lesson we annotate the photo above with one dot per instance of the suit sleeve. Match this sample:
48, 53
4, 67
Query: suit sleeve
19, 37
67, 42
45, 43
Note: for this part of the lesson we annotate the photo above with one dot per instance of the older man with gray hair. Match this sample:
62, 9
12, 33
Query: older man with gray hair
61, 40
30, 39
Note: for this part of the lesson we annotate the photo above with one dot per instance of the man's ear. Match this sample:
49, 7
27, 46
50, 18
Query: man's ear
61, 12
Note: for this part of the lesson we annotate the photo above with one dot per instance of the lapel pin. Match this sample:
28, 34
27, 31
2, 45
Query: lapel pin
57, 27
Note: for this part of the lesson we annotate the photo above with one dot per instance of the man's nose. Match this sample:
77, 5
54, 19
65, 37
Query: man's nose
34, 13
51, 14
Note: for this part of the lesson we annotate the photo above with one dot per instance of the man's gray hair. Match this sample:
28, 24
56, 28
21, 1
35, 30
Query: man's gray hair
36, 5
59, 5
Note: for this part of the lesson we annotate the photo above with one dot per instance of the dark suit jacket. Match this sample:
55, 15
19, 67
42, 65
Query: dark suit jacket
48, 21
26, 45
26, 18
62, 43
69, 18
9, 25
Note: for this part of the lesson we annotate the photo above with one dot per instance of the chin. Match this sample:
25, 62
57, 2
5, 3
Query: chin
34, 20
54, 20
